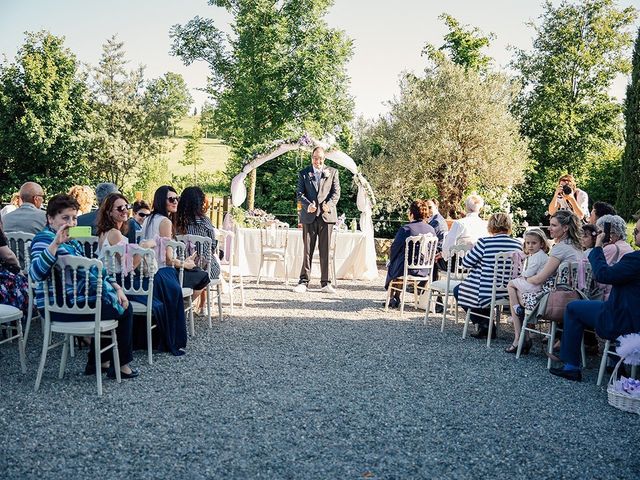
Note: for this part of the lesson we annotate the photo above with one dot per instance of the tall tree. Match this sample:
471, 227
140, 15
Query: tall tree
448, 132
282, 70
167, 100
629, 186
573, 124
44, 110
464, 45
123, 139
193, 151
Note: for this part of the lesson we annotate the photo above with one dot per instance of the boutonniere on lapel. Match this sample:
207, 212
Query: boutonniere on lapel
312, 177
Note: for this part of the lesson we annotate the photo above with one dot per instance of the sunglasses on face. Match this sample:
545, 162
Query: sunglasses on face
123, 208
142, 214
173, 199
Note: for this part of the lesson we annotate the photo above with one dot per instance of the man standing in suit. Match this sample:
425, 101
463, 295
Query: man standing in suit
318, 193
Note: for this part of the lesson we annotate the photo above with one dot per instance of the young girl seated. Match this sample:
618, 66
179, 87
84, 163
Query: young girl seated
537, 248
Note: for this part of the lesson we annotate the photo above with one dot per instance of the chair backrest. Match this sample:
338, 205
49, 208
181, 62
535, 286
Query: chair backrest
71, 275
420, 253
20, 243
118, 259
198, 244
274, 235
575, 276
179, 251
90, 245
226, 243
455, 270
502, 273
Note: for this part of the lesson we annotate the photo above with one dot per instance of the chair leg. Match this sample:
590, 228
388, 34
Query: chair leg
492, 316
467, 317
219, 289
98, 361
72, 346
63, 358
116, 356
523, 331
286, 272
209, 305
192, 326
389, 290
259, 270
21, 345
404, 289
43, 356
428, 309
230, 291
583, 353
149, 339
552, 339
241, 291
29, 316
445, 308
603, 362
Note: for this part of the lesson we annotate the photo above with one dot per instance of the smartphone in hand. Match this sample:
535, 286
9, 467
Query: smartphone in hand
79, 232
607, 232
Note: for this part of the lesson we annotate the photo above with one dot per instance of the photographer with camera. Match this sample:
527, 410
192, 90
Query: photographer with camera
568, 196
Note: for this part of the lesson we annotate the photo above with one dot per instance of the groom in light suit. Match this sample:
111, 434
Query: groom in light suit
318, 192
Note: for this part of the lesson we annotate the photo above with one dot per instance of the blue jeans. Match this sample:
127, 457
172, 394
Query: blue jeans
579, 314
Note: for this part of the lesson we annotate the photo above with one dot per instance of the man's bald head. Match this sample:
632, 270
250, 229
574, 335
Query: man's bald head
31, 192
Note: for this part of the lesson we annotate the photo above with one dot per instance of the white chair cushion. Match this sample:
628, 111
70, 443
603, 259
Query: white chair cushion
187, 292
9, 313
138, 307
82, 328
441, 285
275, 252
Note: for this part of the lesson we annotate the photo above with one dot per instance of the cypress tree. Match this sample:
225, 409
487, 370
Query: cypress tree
629, 192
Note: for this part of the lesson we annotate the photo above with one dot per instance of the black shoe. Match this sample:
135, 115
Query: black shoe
112, 373
573, 375
439, 308
90, 369
394, 302
483, 332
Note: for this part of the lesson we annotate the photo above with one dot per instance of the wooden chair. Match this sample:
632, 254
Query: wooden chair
8, 315
201, 244
138, 281
274, 238
419, 254
502, 273
227, 243
75, 269
455, 275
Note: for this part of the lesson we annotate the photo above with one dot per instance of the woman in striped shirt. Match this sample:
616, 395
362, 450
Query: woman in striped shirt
53, 243
475, 291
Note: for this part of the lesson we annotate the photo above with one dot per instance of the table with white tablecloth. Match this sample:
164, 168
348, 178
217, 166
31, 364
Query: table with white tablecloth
353, 261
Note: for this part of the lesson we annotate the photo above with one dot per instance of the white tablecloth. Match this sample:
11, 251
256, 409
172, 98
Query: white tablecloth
351, 256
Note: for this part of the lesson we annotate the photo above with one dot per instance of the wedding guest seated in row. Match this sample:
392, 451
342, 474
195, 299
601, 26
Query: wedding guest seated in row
588, 238
441, 228
567, 196
14, 287
617, 246
619, 315
475, 291
168, 311
54, 243
13, 204
601, 209
84, 196
467, 230
28, 217
418, 215
536, 248
89, 219
141, 210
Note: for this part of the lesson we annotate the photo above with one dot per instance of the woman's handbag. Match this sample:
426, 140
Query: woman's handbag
557, 302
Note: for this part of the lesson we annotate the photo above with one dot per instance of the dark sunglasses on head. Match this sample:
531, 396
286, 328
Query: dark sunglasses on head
142, 214
123, 208
173, 199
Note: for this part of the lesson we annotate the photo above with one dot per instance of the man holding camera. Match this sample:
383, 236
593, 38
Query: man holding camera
568, 196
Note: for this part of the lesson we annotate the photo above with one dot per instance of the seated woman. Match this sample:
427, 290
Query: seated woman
619, 315
14, 287
52, 243
588, 238
112, 227
418, 216
475, 291
84, 196
617, 247
141, 210
568, 196
537, 249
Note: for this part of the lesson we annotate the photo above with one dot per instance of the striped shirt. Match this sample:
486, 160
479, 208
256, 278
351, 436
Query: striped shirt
204, 228
475, 291
42, 263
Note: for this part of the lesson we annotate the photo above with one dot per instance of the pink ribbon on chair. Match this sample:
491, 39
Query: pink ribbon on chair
127, 264
517, 258
581, 273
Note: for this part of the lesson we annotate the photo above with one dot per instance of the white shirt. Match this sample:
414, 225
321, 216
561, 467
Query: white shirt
582, 199
317, 175
534, 264
465, 231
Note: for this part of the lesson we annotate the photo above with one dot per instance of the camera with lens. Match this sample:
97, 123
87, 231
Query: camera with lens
566, 189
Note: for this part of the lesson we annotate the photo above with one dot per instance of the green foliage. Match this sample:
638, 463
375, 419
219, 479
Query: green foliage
464, 45
167, 100
448, 133
572, 122
44, 110
282, 70
628, 201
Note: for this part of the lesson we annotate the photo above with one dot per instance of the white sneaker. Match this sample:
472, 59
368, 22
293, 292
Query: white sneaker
328, 288
300, 288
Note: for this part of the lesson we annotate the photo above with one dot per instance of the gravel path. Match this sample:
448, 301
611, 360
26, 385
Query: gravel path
315, 386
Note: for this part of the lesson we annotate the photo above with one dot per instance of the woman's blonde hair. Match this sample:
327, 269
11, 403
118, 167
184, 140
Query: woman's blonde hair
571, 220
499, 223
84, 196
538, 232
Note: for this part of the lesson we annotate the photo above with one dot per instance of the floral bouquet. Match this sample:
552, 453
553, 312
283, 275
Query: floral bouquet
256, 218
625, 392
341, 224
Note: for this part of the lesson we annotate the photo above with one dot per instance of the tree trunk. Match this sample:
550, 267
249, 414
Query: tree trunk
251, 197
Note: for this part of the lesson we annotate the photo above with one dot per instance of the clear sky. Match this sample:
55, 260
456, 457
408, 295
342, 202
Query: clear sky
388, 35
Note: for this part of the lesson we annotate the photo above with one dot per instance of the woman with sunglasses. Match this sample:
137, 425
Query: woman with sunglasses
112, 226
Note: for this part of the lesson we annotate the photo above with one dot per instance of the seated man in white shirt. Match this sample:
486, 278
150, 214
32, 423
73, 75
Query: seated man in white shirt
467, 230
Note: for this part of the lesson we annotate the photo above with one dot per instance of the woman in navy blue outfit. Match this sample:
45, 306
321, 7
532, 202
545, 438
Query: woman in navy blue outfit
619, 315
418, 215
